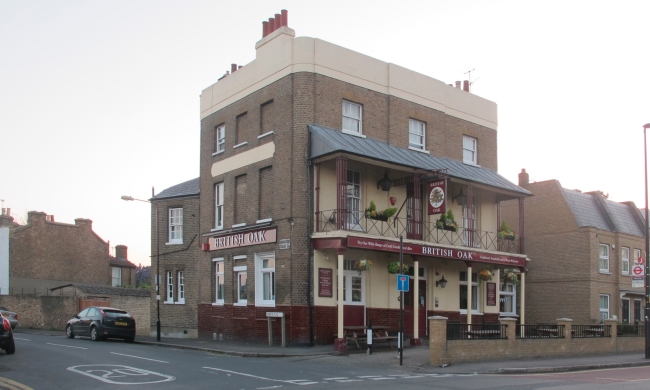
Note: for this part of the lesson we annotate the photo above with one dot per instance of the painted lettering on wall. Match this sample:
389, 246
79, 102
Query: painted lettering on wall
255, 237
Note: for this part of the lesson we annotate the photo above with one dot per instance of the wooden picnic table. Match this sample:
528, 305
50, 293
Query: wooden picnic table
359, 334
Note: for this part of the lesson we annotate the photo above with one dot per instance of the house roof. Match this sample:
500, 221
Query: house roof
188, 188
105, 290
326, 141
604, 214
123, 263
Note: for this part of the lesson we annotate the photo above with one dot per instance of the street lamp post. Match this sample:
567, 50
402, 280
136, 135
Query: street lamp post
647, 247
130, 198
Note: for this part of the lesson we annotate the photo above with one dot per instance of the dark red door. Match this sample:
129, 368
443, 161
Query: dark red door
422, 309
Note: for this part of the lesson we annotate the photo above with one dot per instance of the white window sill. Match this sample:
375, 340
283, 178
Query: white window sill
219, 152
353, 133
240, 304
265, 304
217, 303
174, 243
419, 150
216, 229
240, 145
265, 134
264, 220
239, 225
474, 313
179, 303
509, 315
168, 303
604, 272
471, 164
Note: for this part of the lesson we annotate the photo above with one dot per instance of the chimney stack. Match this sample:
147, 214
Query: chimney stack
233, 68
120, 252
466, 86
279, 20
523, 178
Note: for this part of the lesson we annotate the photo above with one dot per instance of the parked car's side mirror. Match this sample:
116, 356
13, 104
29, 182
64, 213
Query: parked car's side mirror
76, 316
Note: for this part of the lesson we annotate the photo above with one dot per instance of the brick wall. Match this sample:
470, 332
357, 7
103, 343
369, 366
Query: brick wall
40, 312
64, 253
176, 318
139, 308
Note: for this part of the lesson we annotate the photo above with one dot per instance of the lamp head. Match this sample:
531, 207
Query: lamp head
442, 282
385, 183
126, 197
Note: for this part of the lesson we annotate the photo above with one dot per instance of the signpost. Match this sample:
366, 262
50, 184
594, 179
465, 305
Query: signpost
400, 336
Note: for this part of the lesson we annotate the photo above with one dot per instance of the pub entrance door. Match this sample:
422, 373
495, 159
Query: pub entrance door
409, 296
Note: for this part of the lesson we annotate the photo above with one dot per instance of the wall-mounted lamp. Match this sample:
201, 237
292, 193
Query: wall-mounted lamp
385, 183
460, 198
442, 282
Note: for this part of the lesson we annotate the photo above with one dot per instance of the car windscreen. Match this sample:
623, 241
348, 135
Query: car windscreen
116, 313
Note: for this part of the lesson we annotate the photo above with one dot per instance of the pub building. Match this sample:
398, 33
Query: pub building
319, 165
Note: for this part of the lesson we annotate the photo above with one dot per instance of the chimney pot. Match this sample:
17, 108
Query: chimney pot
233, 68
466, 85
285, 18
457, 84
278, 21
265, 29
523, 178
271, 25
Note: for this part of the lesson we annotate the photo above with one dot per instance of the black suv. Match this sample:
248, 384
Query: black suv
7, 337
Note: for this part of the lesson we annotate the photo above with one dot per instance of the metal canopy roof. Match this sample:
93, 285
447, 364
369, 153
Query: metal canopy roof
326, 141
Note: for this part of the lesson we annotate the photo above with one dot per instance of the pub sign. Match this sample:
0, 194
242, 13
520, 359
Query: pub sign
437, 197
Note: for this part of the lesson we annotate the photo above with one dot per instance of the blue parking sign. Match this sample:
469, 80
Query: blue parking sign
402, 282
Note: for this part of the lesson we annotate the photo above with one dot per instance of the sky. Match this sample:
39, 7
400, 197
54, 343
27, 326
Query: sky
100, 99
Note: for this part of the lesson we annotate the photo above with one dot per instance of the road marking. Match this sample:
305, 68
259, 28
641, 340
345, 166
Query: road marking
68, 346
13, 385
349, 380
138, 357
335, 379
18, 338
380, 379
369, 376
292, 381
120, 375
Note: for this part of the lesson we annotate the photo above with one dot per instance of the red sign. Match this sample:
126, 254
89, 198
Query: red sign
234, 240
436, 251
437, 197
491, 294
325, 282
640, 260
637, 270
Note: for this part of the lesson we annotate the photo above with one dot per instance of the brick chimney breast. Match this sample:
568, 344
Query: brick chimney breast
35, 216
121, 251
523, 178
84, 222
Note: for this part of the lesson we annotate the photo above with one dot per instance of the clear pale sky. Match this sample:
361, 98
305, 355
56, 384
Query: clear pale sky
100, 99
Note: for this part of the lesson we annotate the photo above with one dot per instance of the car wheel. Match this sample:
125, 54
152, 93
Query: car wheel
11, 348
94, 336
68, 332
129, 339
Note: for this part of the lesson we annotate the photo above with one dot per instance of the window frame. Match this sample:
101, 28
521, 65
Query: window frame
600, 306
113, 269
180, 279
511, 295
240, 271
413, 133
358, 120
218, 205
260, 272
474, 151
353, 200
602, 258
219, 139
219, 263
625, 261
169, 292
475, 284
175, 227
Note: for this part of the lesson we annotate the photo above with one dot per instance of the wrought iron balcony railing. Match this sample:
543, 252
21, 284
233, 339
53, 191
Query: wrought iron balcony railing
329, 220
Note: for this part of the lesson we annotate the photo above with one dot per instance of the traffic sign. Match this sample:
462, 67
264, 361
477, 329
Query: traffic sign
402, 282
641, 260
638, 270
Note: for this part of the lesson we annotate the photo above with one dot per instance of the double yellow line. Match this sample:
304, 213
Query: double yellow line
12, 385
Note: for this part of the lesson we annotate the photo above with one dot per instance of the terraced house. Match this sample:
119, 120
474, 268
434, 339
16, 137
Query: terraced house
318, 165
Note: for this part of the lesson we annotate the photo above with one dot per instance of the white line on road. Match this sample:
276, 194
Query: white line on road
335, 379
68, 346
138, 357
380, 379
18, 338
293, 381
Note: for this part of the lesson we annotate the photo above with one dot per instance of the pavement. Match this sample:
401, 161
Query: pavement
414, 359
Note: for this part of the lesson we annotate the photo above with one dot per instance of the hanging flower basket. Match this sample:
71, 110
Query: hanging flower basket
485, 275
393, 268
362, 265
372, 213
505, 233
446, 222
510, 276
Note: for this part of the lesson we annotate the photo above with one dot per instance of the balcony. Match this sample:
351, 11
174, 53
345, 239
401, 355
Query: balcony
355, 221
